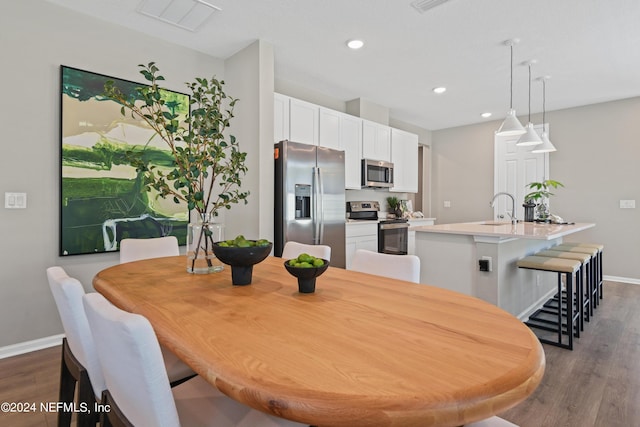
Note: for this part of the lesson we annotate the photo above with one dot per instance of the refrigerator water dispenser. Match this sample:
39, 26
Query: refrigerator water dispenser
303, 201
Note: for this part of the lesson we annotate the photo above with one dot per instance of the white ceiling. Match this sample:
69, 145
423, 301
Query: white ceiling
590, 48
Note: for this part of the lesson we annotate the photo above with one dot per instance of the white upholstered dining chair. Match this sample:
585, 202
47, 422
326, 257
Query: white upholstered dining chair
138, 387
156, 247
293, 249
402, 267
80, 363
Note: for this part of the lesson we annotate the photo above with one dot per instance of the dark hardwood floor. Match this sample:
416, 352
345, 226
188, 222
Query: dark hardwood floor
30, 378
597, 384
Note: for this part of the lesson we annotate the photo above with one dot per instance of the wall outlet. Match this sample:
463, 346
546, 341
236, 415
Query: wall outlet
485, 264
627, 204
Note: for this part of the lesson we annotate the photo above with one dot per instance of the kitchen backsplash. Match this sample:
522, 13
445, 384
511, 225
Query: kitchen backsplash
379, 196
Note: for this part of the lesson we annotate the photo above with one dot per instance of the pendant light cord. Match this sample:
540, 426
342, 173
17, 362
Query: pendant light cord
511, 84
529, 92
544, 108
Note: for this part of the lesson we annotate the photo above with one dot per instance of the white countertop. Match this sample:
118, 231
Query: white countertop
413, 221
522, 230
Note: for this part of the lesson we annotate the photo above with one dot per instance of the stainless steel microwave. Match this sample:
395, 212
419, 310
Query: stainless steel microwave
376, 174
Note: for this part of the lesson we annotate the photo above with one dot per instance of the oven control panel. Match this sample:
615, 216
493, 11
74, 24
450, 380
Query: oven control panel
363, 206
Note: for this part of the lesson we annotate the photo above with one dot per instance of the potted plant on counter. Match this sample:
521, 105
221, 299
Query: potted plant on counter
208, 165
540, 196
394, 206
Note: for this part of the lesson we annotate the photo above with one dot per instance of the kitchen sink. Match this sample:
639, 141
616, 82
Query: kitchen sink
495, 223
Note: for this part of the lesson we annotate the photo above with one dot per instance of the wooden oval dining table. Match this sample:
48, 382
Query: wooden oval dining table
363, 350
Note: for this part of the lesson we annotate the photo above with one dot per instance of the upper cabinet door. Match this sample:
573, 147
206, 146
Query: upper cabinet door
404, 155
280, 117
342, 131
376, 141
330, 129
303, 122
351, 143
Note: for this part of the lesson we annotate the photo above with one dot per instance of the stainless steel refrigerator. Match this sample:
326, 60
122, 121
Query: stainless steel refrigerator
310, 198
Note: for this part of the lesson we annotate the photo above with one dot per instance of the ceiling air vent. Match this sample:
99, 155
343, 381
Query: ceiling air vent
186, 14
423, 5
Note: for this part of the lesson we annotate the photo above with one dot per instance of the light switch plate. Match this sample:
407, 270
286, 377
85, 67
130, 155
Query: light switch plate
447, 203
627, 204
15, 200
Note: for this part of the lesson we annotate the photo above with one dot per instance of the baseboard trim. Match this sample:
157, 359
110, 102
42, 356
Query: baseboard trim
622, 279
29, 346
536, 305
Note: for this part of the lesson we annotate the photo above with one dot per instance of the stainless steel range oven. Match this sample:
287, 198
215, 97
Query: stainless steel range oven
393, 236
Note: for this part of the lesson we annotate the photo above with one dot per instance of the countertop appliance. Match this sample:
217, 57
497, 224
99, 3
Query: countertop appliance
393, 234
309, 198
376, 174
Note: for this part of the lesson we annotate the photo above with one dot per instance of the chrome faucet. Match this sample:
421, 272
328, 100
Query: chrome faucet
514, 220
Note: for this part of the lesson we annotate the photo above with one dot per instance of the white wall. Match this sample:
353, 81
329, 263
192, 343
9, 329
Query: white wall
36, 37
462, 173
250, 79
307, 94
597, 158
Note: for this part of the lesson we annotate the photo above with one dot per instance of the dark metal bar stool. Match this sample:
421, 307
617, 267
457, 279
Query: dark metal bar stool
596, 260
569, 268
597, 263
584, 280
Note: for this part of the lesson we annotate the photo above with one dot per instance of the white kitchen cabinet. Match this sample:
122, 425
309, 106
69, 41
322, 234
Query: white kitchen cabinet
280, 117
308, 123
351, 143
404, 155
304, 118
329, 126
360, 235
376, 141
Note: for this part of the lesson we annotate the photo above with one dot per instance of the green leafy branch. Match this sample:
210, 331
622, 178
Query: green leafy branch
541, 190
203, 156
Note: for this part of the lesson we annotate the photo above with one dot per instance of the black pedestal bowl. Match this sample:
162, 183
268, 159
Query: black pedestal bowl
241, 260
306, 276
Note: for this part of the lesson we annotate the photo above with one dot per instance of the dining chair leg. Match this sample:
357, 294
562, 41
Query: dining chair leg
86, 418
114, 417
181, 380
67, 386
72, 373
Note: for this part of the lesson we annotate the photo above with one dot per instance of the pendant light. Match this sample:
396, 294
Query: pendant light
511, 125
546, 146
530, 136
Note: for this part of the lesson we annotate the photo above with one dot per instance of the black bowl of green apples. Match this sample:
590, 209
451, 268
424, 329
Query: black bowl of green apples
242, 254
306, 268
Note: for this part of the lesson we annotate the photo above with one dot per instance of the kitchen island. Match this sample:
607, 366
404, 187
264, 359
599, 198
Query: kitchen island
450, 256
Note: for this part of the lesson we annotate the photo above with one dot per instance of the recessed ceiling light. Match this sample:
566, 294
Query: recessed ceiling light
485, 115
355, 44
439, 90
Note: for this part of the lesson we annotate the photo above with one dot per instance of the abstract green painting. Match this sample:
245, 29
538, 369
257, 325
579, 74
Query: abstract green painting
102, 197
